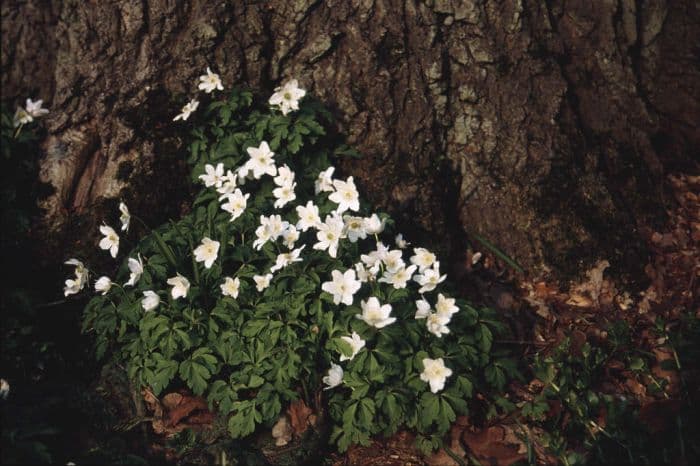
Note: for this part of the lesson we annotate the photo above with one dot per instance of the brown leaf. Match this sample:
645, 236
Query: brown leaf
171, 400
282, 432
186, 407
496, 445
299, 416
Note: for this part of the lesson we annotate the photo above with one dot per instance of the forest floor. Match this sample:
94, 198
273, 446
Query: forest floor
609, 376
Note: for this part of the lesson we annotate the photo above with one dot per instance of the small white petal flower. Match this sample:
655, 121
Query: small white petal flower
423, 258
103, 285
445, 306
343, 286
261, 161
230, 287
110, 241
287, 97
393, 261
213, 176
430, 278
82, 276
435, 373
363, 274
375, 257
187, 110
270, 229
229, 182
235, 204
354, 228
73, 286
207, 252
125, 217
262, 281
150, 300
136, 269
356, 344
210, 81
287, 258
374, 314
345, 195
22, 117
334, 377
308, 216
400, 242
437, 324
4, 389
324, 182
399, 278
329, 234
374, 225
34, 108
284, 195
423, 309
285, 176
290, 236
180, 285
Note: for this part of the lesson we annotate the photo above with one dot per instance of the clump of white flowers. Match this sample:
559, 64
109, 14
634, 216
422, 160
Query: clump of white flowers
280, 253
31, 111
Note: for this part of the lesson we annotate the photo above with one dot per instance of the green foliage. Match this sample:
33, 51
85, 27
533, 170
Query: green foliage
252, 355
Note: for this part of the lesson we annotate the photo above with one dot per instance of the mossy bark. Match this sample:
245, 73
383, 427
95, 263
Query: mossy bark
546, 127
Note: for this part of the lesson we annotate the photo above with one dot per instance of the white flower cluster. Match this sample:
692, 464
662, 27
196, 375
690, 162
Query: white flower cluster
381, 265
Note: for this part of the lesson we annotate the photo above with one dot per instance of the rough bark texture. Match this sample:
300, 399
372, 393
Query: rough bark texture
543, 126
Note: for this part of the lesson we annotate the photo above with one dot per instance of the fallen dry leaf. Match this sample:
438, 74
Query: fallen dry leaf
496, 445
300, 416
282, 432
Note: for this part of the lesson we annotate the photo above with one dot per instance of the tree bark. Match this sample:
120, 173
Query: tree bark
545, 127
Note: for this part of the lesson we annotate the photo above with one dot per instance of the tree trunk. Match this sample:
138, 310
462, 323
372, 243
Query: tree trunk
545, 127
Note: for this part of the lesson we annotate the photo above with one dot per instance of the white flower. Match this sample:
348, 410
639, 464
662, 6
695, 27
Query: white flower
230, 287
334, 377
354, 228
262, 281
343, 286
374, 258
236, 203
430, 278
103, 285
125, 217
210, 81
393, 261
374, 225
329, 234
283, 260
261, 161
187, 110
363, 274
374, 314
207, 252
270, 229
400, 242
345, 195
437, 324
399, 278
81, 277
228, 183
423, 258
110, 241
34, 108
445, 306
150, 300
308, 216
21, 117
284, 195
136, 269
324, 182
287, 97
180, 285
213, 176
285, 176
435, 373
290, 236
4, 389
422, 309
356, 344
